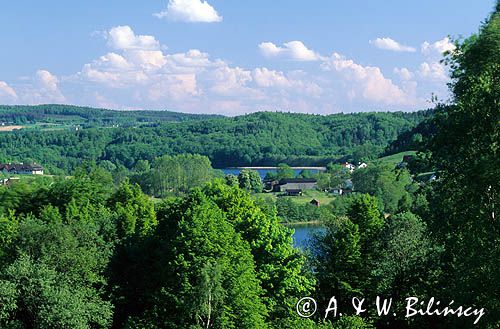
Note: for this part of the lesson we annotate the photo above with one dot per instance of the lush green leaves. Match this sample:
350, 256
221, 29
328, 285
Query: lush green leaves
256, 139
465, 150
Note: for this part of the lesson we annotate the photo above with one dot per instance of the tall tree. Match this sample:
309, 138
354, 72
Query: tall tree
335, 176
280, 267
250, 180
206, 275
135, 212
345, 254
465, 150
389, 185
284, 171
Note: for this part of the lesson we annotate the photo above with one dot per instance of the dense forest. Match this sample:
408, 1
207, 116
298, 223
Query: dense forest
93, 251
256, 139
87, 116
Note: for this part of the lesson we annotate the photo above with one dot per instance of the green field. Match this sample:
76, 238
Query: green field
306, 197
394, 159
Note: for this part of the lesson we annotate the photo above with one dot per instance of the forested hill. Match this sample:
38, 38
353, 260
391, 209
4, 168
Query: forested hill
262, 138
87, 116
412, 139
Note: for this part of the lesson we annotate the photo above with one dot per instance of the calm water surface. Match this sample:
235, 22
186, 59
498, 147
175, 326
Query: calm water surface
303, 234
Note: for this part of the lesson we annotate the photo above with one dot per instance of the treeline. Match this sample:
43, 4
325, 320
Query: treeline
412, 139
79, 253
88, 116
255, 139
172, 175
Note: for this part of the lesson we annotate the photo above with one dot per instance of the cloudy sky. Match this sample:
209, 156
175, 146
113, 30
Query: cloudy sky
231, 57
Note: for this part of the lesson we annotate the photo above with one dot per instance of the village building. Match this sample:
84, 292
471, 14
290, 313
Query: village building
336, 191
293, 192
21, 169
348, 166
8, 181
295, 184
315, 202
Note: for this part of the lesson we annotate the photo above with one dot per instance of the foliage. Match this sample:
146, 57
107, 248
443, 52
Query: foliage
353, 322
211, 272
255, 139
366, 256
54, 277
174, 175
291, 211
334, 177
344, 254
54, 114
135, 213
391, 186
339, 206
271, 246
250, 180
407, 262
284, 171
464, 201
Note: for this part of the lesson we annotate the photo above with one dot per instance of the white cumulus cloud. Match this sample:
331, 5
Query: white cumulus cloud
270, 78
137, 71
390, 44
403, 73
47, 80
229, 81
192, 61
46, 89
266, 78
7, 93
438, 47
140, 71
115, 61
368, 82
192, 11
173, 86
433, 71
294, 50
124, 38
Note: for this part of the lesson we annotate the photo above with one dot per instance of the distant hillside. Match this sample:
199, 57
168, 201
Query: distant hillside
262, 138
412, 139
54, 114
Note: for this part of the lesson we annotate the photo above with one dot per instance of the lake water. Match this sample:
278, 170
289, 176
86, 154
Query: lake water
303, 234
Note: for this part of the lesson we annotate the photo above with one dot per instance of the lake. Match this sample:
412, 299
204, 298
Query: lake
303, 234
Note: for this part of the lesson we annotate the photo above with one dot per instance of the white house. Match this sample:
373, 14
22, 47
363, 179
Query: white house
336, 191
21, 168
349, 166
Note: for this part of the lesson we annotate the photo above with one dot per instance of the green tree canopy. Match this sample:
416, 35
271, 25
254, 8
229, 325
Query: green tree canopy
465, 149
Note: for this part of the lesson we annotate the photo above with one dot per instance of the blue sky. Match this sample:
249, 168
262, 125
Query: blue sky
231, 57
